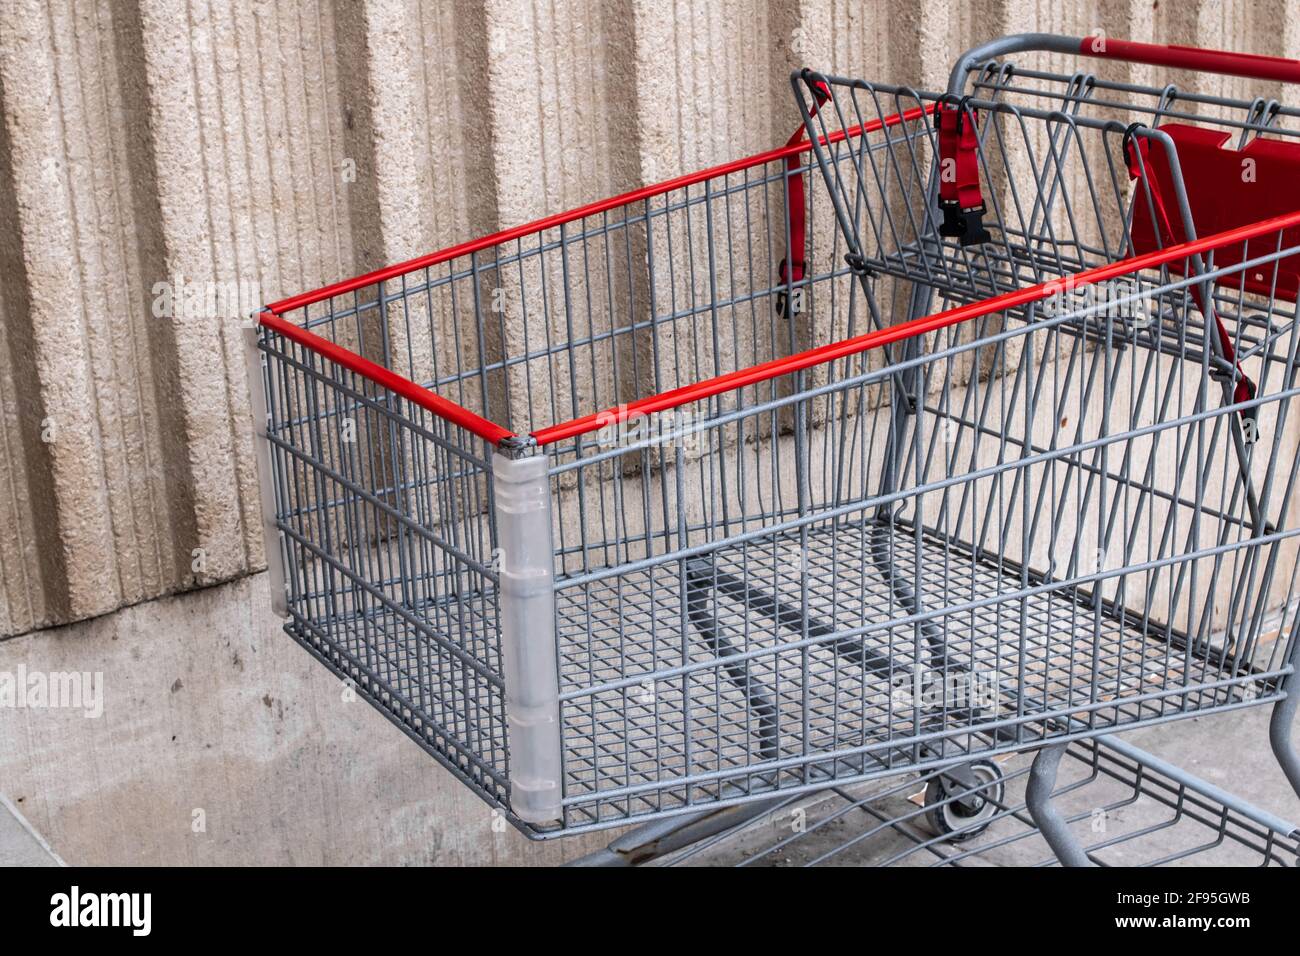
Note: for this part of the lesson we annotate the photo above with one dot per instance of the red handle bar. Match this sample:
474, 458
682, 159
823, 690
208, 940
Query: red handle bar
1194, 58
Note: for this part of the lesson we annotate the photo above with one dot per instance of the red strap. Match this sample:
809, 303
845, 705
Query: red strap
1244, 390
792, 266
968, 164
960, 199
959, 168
948, 155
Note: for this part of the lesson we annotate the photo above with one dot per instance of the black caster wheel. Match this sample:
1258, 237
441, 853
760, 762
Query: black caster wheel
967, 814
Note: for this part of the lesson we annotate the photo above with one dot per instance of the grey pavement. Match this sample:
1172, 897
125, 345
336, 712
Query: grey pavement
20, 844
1124, 821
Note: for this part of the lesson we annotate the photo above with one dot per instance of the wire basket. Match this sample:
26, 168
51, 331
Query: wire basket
684, 499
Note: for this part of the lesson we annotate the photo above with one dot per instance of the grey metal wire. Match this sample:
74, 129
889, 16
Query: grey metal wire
1121, 804
1043, 515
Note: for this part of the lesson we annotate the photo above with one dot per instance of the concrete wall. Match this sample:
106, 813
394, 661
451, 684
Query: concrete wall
154, 148
283, 145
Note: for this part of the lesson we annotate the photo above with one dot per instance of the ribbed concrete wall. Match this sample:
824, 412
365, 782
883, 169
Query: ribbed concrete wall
283, 145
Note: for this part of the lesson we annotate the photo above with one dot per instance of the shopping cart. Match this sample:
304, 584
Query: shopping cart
1125, 806
782, 475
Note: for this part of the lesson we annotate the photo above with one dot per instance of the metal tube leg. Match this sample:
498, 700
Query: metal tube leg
651, 841
1038, 798
529, 658
1280, 729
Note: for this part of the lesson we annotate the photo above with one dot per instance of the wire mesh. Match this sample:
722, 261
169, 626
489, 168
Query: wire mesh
1124, 811
944, 541
1053, 162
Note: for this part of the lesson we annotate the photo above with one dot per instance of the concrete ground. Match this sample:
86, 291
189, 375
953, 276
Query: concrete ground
1228, 750
20, 844
221, 742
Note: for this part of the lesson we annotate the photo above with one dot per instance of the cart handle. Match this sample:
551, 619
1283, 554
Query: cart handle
1203, 60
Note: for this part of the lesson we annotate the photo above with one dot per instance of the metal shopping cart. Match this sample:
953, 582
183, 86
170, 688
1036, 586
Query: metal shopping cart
819, 466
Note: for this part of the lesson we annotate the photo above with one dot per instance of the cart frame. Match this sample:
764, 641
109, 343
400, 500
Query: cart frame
512, 473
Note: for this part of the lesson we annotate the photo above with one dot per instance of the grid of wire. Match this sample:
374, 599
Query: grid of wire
734, 616
836, 699
1054, 161
940, 494
386, 523
1124, 811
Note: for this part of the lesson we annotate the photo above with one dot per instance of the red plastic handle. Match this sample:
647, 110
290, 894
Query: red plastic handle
1194, 58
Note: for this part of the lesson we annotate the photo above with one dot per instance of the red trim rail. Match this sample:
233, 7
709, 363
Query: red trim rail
766, 370
272, 315
388, 379
1252, 65
583, 212
903, 330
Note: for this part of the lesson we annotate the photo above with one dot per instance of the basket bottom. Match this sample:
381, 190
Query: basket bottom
845, 652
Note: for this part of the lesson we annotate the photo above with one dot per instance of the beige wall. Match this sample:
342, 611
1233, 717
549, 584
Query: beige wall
149, 139
145, 140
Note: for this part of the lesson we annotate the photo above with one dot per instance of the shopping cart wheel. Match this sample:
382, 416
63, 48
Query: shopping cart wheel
959, 809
